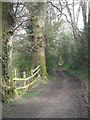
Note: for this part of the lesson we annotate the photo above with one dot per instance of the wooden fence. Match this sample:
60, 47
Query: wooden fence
33, 78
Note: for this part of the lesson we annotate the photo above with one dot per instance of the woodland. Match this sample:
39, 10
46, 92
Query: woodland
38, 37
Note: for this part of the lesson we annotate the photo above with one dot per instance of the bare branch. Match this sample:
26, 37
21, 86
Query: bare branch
19, 25
21, 9
60, 11
71, 23
16, 8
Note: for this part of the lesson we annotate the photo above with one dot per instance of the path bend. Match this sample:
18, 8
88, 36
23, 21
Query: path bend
60, 99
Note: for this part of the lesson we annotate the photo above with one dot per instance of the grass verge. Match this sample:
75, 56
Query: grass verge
81, 73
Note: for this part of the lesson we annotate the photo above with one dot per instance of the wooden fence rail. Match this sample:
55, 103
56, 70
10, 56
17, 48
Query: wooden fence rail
34, 72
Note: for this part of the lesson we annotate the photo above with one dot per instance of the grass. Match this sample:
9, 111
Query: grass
36, 93
23, 93
81, 73
7, 106
30, 94
52, 78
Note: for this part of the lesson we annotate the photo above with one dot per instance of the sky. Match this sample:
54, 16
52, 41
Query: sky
80, 20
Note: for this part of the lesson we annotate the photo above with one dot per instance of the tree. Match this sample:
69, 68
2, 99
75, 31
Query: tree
73, 43
7, 25
38, 16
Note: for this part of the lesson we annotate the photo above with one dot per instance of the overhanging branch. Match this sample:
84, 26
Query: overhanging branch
64, 15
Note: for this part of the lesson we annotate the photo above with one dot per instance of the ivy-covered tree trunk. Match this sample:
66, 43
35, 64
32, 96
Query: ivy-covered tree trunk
10, 55
38, 52
7, 25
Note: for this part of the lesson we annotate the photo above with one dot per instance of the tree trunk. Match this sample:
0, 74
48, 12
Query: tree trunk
38, 52
10, 56
7, 25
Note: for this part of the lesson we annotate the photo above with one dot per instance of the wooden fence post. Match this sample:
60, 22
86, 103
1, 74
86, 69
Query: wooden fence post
38, 74
15, 75
24, 76
12, 82
12, 75
12, 78
32, 73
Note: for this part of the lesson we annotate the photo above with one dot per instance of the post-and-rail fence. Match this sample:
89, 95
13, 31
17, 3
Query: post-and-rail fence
26, 81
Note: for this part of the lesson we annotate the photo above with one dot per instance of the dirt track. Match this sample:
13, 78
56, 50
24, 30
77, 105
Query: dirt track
62, 98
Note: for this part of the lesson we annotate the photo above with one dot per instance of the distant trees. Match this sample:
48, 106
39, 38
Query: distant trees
73, 43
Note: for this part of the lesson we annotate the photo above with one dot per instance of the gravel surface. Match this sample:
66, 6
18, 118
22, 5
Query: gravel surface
62, 98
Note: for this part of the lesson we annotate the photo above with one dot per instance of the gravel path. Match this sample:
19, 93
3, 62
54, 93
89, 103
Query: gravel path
60, 99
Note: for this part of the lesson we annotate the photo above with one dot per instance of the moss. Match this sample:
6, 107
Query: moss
39, 54
5, 10
39, 35
36, 17
7, 93
40, 25
43, 69
36, 12
5, 56
40, 59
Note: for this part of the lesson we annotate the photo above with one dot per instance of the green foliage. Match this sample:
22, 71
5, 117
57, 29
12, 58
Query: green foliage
21, 61
39, 35
36, 93
52, 48
80, 72
63, 48
51, 61
22, 94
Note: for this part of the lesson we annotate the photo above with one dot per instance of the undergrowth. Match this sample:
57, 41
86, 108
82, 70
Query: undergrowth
26, 94
80, 72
